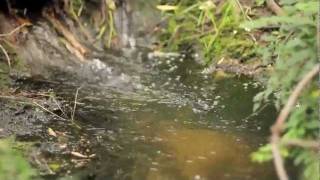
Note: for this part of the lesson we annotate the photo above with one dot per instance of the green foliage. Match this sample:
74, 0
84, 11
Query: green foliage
260, 2
106, 29
214, 28
12, 165
265, 154
292, 49
287, 42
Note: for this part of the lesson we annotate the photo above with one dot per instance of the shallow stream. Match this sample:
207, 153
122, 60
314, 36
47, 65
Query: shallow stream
162, 119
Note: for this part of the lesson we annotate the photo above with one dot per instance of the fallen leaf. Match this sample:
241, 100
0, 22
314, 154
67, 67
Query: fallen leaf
51, 132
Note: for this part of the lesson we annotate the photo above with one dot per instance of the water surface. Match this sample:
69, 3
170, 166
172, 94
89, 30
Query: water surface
164, 119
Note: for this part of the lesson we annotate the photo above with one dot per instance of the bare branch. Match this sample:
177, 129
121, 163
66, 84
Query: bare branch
309, 144
277, 128
274, 7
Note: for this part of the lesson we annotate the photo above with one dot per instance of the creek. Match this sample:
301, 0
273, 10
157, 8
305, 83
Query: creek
145, 116
161, 118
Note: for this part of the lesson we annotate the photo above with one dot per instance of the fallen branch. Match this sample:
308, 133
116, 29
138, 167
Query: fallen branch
275, 8
278, 126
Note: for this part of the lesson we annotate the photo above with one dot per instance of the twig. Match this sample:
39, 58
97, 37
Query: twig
56, 102
6, 55
31, 102
47, 110
14, 30
256, 112
242, 11
9, 34
274, 7
23, 100
75, 105
303, 143
277, 128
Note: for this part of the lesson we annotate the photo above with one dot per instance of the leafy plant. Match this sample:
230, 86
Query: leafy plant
292, 49
214, 28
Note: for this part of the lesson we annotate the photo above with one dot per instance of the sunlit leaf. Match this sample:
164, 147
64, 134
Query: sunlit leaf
167, 7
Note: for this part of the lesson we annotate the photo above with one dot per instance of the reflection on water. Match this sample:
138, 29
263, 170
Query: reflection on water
204, 153
187, 151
